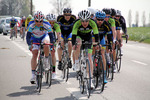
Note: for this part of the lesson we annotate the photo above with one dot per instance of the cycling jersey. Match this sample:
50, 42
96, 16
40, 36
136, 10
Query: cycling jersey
13, 22
84, 33
27, 21
117, 24
66, 26
23, 23
104, 29
38, 33
123, 24
111, 21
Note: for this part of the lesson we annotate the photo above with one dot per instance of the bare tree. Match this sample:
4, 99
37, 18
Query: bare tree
130, 18
144, 19
137, 19
59, 5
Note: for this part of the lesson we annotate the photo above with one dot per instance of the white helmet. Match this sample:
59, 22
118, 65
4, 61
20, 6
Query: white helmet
118, 13
38, 15
84, 15
50, 17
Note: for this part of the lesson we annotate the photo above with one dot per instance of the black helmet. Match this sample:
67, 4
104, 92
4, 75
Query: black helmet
113, 12
107, 11
67, 10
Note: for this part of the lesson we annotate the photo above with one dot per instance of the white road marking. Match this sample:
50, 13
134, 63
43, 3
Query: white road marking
139, 62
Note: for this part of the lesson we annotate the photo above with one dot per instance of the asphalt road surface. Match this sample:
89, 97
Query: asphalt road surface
132, 83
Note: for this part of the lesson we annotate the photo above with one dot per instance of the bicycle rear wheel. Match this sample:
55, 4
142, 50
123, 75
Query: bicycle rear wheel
23, 35
118, 59
88, 79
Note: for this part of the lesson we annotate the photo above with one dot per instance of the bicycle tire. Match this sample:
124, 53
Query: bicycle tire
88, 80
81, 82
111, 69
101, 74
118, 59
23, 35
95, 70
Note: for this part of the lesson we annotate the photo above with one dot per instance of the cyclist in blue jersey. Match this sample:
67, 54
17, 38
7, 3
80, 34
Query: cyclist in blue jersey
37, 32
13, 24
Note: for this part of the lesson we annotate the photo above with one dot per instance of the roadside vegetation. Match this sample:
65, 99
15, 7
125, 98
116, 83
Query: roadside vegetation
141, 34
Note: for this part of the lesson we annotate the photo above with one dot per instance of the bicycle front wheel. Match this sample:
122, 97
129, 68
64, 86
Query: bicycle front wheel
88, 79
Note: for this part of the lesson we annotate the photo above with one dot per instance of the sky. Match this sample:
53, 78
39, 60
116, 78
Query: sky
123, 5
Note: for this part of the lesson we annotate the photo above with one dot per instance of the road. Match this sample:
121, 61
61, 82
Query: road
132, 83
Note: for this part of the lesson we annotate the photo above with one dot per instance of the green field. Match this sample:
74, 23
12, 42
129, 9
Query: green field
141, 34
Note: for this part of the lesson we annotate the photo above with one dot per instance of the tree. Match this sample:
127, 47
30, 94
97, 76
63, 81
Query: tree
144, 19
130, 18
137, 19
59, 5
14, 7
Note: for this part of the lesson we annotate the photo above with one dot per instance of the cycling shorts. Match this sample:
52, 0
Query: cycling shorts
89, 46
12, 26
37, 40
102, 41
69, 37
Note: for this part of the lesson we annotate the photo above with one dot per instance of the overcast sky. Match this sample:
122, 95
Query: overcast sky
123, 5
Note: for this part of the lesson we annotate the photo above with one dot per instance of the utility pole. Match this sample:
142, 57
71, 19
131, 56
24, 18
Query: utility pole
31, 7
89, 3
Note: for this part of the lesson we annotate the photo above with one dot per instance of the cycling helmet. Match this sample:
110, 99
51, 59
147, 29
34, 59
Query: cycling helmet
100, 15
38, 15
67, 10
118, 13
84, 15
107, 11
50, 17
113, 12
24, 17
30, 16
13, 18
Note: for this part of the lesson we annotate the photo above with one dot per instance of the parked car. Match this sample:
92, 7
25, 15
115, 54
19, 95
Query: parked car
6, 25
1, 25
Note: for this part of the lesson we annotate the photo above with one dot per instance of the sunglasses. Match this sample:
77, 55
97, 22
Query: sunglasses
100, 19
38, 21
117, 16
67, 14
107, 17
51, 22
85, 20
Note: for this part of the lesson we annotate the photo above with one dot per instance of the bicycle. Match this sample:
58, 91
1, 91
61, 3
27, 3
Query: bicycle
110, 65
98, 69
83, 76
13, 34
65, 59
40, 69
118, 53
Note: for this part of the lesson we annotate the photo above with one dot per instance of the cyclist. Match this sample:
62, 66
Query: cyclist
56, 29
38, 30
22, 25
13, 24
103, 28
123, 25
28, 20
66, 23
111, 36
82, 30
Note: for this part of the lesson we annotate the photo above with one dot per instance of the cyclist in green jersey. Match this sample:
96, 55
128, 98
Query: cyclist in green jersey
56, 30
82, 31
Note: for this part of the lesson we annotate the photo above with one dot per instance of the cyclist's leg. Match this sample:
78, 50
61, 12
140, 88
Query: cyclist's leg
59, 51
93, 51
16, 29
77, 53
70, 49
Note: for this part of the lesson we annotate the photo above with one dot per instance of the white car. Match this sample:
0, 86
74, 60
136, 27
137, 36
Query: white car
6, 25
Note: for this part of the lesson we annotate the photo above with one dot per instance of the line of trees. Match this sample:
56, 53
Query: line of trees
15, 7
137, 19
